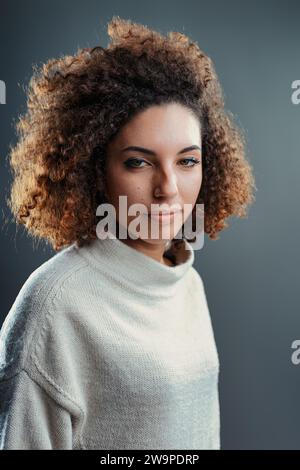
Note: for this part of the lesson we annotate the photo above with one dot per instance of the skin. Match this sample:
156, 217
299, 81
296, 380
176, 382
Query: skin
166, 178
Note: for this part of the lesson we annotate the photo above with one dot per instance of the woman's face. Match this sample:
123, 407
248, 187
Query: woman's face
162, 171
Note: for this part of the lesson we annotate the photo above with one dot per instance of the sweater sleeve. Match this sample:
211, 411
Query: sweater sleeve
30, 418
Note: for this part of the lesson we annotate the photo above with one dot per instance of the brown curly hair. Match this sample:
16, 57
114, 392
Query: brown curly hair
76, 104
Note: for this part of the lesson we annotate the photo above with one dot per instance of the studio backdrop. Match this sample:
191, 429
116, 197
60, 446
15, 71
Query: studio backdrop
251, 271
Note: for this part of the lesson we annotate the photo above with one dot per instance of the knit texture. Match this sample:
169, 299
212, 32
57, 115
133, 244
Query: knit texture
106, 348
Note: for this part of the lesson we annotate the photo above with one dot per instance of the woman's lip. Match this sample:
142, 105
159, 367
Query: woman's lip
164, 212
163, 216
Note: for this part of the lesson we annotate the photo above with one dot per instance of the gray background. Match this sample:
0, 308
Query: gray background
251, 274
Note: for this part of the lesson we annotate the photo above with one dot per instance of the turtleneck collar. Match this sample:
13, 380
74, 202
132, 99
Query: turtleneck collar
136, 270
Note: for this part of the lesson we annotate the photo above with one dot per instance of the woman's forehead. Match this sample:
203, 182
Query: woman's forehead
166, 130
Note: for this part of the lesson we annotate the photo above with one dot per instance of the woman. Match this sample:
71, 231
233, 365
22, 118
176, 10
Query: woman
109, 344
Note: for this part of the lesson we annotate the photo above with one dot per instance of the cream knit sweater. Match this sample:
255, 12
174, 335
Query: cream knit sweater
106, 348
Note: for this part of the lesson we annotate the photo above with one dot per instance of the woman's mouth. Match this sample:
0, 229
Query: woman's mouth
164, 217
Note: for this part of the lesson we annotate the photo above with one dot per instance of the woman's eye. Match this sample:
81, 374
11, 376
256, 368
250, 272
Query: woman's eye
136, 162
130, 163
193, 161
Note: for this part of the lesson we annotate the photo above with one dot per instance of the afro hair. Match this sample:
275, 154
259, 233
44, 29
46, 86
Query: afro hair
77, 103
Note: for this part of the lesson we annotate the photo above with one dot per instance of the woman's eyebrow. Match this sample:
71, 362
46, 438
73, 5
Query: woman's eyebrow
151, 152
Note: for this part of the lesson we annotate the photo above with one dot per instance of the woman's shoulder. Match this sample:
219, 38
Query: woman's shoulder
197, 288
27, 316
196, 278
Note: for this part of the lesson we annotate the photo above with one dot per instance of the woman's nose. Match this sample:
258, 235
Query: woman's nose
166, 186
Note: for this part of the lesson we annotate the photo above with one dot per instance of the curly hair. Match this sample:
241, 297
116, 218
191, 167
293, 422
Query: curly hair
77, 103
